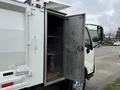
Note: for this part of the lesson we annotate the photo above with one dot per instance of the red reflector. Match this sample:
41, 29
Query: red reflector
7, 84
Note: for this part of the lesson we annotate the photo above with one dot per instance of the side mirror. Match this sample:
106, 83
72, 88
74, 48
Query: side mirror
89, 46
96, 33
100, 33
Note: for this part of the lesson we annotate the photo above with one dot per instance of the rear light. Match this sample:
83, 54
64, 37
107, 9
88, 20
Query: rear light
7, 84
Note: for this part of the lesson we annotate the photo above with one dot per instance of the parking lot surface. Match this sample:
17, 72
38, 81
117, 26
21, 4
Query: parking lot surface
107, 67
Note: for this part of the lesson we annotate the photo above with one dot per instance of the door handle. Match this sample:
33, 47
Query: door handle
35, 43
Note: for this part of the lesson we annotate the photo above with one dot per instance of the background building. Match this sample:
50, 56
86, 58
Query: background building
118, 34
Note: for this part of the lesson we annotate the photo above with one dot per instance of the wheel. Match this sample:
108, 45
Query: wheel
76, 85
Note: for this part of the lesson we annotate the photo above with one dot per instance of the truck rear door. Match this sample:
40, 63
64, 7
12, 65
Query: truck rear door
74, 47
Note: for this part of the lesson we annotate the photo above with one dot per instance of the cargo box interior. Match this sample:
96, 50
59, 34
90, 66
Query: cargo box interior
54, 47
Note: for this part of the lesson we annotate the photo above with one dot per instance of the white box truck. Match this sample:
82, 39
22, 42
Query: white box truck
40, 46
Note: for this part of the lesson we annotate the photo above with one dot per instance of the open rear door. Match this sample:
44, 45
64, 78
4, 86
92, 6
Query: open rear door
74, 47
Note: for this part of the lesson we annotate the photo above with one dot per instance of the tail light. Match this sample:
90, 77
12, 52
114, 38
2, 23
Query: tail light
7, 84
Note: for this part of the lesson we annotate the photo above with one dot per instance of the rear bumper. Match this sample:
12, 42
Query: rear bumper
18, 82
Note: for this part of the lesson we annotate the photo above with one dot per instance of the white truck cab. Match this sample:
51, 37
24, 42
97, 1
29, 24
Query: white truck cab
40, 46
93, 37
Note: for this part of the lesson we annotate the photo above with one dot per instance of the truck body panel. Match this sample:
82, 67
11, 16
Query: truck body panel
36, 46
89, 61
12, 38
22, 44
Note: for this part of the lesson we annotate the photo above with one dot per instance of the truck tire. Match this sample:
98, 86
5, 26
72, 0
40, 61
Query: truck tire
76, 85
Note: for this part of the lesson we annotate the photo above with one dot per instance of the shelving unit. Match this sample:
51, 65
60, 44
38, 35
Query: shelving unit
50, 36
54, 48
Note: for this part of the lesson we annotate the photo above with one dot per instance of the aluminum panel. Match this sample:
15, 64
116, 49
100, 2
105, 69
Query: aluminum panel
12, 39
74, 47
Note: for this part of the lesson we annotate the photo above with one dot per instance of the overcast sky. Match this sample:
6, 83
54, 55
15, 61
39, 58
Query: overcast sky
102, 12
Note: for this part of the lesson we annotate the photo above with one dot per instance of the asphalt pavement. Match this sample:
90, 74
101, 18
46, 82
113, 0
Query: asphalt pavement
107, 67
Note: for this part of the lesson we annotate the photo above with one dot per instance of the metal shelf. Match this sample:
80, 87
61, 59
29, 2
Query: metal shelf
51, 36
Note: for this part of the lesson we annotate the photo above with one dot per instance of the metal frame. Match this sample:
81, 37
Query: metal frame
57, 13
45, 63
45, 48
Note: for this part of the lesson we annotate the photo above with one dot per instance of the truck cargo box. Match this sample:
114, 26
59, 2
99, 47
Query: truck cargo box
39, 45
